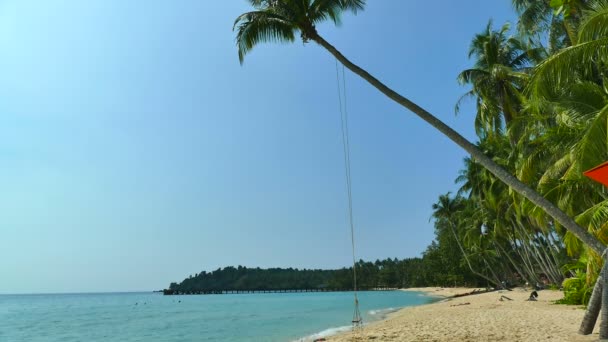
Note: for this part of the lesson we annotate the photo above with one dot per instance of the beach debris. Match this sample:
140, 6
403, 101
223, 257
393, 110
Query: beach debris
502, 298
467, 303
533, 296
320, 339
474, 292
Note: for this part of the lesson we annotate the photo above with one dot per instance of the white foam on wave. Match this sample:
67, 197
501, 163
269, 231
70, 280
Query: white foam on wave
382, 311
324, 333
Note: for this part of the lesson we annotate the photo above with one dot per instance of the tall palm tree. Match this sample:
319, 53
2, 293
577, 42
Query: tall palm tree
282, 20
497, 78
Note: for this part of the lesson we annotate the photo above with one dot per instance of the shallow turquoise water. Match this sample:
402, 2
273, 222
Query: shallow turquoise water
154, 317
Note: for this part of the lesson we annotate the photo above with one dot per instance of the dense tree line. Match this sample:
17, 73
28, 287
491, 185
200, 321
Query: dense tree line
243, 278
440, 265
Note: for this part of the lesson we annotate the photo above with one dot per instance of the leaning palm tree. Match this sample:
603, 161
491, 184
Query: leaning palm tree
446, 210
283, 20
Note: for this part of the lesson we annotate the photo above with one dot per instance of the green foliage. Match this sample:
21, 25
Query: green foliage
576, 290
281, 20
561, 7
388, 273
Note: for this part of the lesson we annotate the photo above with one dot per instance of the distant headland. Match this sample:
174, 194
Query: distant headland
379, 275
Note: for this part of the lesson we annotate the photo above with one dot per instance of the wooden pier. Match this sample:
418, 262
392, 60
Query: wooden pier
168, 292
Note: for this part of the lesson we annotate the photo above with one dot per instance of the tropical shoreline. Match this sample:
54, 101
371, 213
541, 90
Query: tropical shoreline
480, 317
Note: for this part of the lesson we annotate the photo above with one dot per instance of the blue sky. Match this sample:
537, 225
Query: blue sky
135, 150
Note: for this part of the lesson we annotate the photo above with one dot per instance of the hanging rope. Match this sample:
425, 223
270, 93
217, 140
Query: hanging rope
357, 319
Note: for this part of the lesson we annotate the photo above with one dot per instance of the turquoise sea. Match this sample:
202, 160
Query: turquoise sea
154, 317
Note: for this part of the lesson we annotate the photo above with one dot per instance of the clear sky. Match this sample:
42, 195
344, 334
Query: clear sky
135, 150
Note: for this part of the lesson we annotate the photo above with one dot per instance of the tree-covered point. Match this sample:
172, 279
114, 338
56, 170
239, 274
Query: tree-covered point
440, 265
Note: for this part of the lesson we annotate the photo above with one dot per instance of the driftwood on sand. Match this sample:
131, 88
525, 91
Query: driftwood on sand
474, 292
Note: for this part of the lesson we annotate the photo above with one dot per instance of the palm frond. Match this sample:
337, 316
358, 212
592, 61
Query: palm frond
353, 5
595, 24
261, 26
464, 97
534, 16
592, 148
321, 10
595, 217
566, 67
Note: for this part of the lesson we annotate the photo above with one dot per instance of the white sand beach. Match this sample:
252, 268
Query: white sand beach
480, 317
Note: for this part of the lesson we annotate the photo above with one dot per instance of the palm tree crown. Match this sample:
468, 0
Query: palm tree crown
281, 20
497, 77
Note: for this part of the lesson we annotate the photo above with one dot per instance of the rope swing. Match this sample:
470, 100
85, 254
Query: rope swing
357, 319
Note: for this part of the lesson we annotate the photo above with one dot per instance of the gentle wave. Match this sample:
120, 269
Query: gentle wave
382, 311
324, 333
380, 314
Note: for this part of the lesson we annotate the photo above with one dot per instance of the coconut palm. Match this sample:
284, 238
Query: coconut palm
283, 20
497, 78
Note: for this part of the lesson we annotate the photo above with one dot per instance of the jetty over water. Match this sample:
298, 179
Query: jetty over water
169, 292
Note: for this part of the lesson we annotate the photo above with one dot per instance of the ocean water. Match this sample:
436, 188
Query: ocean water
154, 317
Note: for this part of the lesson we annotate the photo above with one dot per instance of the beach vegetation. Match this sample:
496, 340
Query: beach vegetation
547, 125
381, 274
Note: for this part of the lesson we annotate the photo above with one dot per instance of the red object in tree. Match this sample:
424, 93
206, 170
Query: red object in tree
599, 173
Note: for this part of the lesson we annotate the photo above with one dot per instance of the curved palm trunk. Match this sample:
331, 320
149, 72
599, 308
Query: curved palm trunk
466, 258
593, 309
513, 263
604, 306
479, 156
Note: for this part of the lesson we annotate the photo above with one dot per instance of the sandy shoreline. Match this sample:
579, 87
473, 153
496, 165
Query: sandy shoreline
484, 318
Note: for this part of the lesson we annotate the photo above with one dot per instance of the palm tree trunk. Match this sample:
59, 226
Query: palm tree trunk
540, 254
513, 263
554, 250
466, 258
520, 249
523, 260
593, 309
497, 281
477, 154
604, 309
